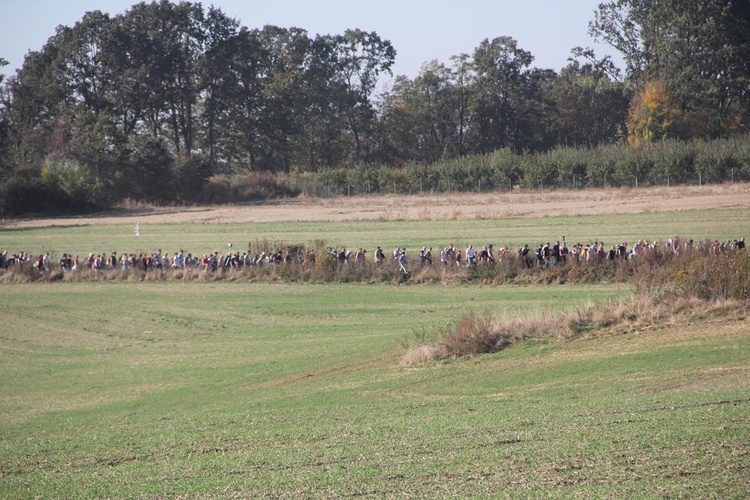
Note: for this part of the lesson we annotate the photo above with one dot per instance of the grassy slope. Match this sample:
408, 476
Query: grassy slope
121, 389
204, 238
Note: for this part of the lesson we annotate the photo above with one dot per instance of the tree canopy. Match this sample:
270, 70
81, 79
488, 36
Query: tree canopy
151, 103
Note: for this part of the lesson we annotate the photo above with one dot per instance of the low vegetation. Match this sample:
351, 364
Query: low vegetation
235, 385
62, 188
476, 333
235, 389
665, 163
702, 274
693, 288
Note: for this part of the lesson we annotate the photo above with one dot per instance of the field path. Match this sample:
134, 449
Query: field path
497, 205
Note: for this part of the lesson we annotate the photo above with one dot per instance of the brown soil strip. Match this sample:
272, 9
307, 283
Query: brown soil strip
497, 205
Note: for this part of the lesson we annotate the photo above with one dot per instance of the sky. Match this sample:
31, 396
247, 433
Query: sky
419, 30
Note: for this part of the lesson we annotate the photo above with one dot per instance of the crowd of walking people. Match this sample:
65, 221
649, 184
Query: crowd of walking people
544, 255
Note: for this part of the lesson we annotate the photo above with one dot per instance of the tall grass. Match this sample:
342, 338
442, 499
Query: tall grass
695, 287
475, 334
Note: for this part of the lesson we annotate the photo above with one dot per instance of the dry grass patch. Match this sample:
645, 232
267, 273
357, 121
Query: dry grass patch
476, 334
442, 206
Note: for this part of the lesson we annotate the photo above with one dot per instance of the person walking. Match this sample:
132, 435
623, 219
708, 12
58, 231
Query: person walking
402, 262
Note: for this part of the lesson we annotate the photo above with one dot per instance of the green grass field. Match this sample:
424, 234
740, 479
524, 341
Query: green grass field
205, 238
237, 389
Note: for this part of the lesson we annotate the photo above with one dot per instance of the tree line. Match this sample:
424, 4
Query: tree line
172, 102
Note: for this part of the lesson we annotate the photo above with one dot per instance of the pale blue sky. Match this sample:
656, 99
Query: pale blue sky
419, 30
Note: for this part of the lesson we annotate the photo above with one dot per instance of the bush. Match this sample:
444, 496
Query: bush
21, 195
713, 277
540, 171
250, 186
149, 171
362, 179
482, 334
473, 334
632, 165
673, 162
602, 165
191, 176
571, 165
334, 181
422, 178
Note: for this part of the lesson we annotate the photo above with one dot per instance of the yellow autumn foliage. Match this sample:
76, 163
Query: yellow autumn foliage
652, 114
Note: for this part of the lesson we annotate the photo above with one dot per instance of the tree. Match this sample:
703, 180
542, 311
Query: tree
652, 115
218, 83
535, 110
362, 58
149, 170
421, 115
427, 119
589, 108
502, 84
320, 114
6, 149
34, 104
156, 50
699, 49
83, 54
462, 93
233, 73
624, 24
285, 56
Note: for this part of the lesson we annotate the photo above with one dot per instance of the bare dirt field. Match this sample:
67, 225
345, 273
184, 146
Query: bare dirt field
497, 205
